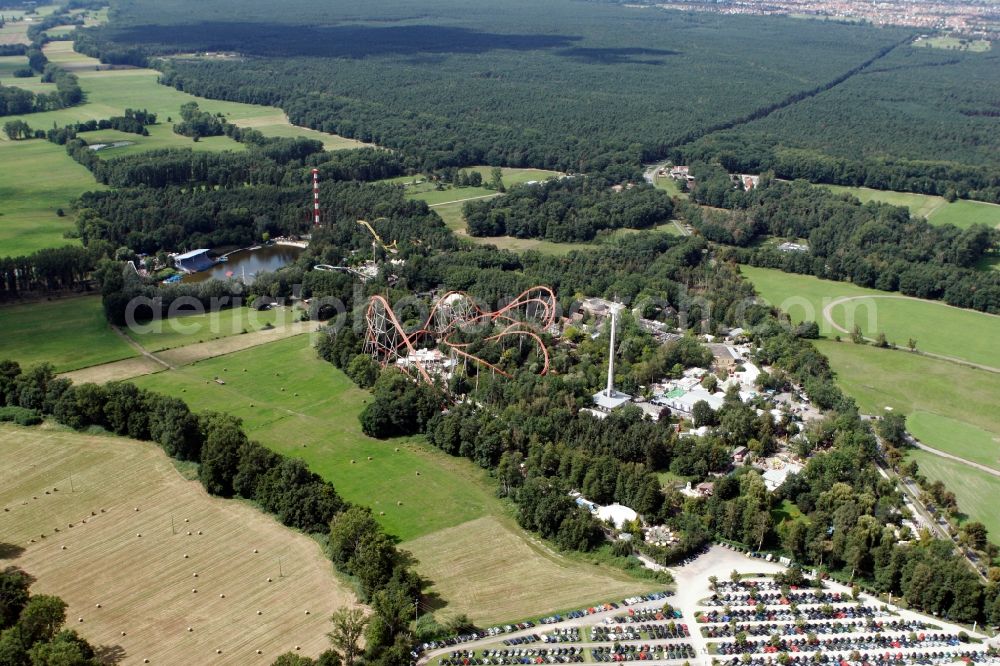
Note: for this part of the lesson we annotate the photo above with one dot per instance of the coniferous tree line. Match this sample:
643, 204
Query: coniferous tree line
230, 465
568, 209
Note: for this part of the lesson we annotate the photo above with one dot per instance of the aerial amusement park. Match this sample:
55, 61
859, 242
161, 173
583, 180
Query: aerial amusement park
451, 319
456, 327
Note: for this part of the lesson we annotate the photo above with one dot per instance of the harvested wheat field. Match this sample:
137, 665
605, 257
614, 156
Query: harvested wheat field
151, 566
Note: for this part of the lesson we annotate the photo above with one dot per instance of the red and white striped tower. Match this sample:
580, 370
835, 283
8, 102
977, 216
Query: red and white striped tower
315, 197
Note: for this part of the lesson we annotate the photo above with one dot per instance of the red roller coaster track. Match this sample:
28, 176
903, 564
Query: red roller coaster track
386, 340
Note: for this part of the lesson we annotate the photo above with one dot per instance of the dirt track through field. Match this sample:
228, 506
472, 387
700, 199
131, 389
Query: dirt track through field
92, 553
828, 317
148, 362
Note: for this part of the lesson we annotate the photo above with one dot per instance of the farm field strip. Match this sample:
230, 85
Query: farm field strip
935, 209
301, 406
145, 584
472, 565
70, 333
936, 327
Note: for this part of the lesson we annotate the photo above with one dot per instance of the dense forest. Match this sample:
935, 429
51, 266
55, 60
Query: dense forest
533, 79
915, 121
569, 209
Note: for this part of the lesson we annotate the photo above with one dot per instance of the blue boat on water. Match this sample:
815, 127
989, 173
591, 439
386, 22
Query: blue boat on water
172, 279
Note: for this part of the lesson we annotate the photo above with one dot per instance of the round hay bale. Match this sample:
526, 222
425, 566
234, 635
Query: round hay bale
296, 394
138, 535
397, 449
185, 556
185, 520
418, 472
369, 457
268, 580
307, 612
194, 590
381, 513
199, 532
399, 503
222, 596
79, 619
190, 629
195, 574
353, 461
64, 547
218, 652
189, 533
145, 661
260, 612
136, 508
97, 605
255, 550
123, 633
298, 647
259, 652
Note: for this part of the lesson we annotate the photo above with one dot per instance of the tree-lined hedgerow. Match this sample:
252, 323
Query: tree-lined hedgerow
230, 465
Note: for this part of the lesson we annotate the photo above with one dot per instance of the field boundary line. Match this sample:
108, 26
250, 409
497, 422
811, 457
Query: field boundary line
828, 317
139, 348
916, 443
448, 203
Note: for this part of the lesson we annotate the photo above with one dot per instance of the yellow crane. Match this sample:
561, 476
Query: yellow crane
388, 247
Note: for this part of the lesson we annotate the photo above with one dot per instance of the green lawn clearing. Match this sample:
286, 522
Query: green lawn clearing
161, 135
936, 327
189, 329
298, 404
953, 44
36, 180
975, 490
936, 210
947, 403
966, 441
966, 213
70, 334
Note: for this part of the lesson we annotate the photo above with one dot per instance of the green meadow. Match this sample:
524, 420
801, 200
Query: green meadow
160, 136
968, 441
36, 180
936, 327
975, 490
70, 334
954, 44
950, 407
297, 404
193, 328
936, 210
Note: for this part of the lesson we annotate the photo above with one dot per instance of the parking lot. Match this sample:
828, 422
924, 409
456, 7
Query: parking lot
751, 622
